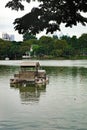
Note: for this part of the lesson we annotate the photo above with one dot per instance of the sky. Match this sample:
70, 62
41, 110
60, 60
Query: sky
7, 17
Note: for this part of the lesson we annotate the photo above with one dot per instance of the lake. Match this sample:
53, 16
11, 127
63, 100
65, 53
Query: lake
60, 105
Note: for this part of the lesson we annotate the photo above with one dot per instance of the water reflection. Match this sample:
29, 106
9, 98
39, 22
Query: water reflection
63, 71
29, 93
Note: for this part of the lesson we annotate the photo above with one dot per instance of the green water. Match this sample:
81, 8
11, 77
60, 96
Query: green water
60, 105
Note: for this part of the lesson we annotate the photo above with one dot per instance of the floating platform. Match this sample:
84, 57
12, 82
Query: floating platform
30, 73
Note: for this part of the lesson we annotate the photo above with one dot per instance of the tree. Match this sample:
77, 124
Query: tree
47, 43
27, 36
83, 44
67, 38
59, 48
4, 48
55, 37
74, 43
49, 15
83, 41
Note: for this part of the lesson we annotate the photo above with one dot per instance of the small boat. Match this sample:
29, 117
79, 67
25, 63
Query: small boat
30, 73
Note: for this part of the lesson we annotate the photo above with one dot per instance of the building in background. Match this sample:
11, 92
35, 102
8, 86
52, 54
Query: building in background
11, 37
8, 37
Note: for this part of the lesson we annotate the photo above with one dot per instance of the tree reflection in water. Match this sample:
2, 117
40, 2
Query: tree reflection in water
29, 93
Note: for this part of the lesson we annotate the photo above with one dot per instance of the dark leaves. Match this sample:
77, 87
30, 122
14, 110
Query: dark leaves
49, 15
15, 5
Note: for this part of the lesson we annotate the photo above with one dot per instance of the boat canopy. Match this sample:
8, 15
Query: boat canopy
35, 65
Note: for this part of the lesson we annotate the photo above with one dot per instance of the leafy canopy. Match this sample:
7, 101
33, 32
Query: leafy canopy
49, 15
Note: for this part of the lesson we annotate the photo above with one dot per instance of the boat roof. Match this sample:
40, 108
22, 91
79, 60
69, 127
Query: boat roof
30, 64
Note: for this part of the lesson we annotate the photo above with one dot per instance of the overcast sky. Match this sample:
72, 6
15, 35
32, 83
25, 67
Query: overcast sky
7, 17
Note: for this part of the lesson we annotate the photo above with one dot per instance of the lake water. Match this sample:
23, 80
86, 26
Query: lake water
60, 105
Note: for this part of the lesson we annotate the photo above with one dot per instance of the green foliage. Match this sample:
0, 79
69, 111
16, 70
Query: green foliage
57, 53
55, 37
66, 38
14, 52
47, 44
28, 36
4, 48
83, 41
60, 44
46, 47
